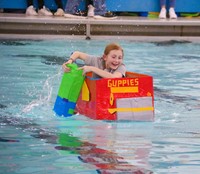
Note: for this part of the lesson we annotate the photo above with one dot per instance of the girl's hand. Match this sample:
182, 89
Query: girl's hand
86, 69
64, 67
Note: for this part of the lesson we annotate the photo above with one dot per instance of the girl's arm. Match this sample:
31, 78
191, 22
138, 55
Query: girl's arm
100, 72
75, 55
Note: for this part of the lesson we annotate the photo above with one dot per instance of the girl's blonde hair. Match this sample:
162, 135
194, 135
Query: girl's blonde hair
113, 46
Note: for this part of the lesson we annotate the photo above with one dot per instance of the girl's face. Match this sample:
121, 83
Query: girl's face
114, 59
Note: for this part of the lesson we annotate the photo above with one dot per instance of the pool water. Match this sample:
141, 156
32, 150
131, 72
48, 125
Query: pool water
34, 140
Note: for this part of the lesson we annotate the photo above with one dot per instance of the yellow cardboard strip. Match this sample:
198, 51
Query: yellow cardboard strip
85, 92
124, 89
113, 110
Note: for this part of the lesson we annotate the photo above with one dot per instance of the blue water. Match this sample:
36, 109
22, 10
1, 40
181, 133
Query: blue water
34, 140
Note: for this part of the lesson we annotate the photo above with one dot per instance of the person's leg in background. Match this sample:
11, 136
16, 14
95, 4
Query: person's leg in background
100, 7
163, 11
100, 10
60, 11
30, 10
90, 7
71, 9
172, 13
72, 6
29, 3
88, 2
40, 4
96, 8
42, 9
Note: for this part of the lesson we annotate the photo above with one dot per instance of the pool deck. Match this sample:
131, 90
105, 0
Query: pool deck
123, 26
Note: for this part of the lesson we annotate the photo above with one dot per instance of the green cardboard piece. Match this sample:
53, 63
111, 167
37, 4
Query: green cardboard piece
71, 83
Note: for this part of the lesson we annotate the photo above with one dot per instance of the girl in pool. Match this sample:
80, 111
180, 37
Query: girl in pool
110, 65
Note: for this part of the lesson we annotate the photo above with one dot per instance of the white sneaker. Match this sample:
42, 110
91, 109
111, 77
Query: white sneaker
31, 11
104, 18
163, 13
59, 12
44, 12
67, 15
90, 12
172, 14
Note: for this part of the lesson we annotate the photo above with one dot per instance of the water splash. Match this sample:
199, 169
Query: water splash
45, 96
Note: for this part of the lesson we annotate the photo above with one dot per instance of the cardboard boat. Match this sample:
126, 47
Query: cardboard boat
129, 98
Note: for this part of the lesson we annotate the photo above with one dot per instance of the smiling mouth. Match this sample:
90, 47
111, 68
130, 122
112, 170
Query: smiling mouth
115, 65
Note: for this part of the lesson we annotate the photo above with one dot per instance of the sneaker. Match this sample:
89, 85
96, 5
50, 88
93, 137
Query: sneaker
90, 12
67, 15
59, 12
81, 13
107, 15
172, 14
44, 12
31, 11
104, 18
163, 13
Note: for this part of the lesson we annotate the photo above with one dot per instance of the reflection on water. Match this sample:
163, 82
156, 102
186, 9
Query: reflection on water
105, 161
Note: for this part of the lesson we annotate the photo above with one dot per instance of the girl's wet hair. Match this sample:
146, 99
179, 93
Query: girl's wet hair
113, 46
